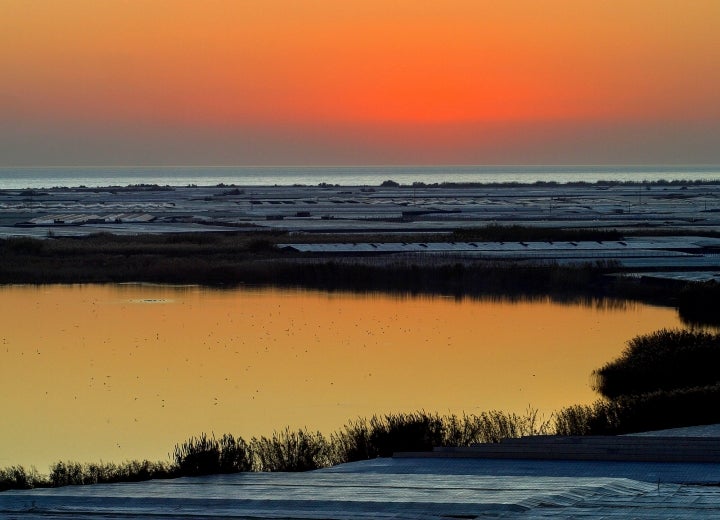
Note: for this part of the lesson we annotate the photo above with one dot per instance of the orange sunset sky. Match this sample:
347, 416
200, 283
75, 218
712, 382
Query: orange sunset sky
245, 82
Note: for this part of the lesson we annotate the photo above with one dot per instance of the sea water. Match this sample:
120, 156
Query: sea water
48, 177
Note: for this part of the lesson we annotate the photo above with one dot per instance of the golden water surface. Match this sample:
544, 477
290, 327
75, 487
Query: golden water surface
108, 372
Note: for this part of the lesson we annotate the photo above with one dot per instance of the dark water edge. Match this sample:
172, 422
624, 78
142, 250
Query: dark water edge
249, 260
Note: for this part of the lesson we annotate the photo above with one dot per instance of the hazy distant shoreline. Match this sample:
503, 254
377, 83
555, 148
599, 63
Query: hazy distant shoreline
98, 176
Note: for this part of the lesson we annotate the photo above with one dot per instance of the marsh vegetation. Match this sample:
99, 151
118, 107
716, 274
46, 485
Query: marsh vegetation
666, 379
234, 259
292, 450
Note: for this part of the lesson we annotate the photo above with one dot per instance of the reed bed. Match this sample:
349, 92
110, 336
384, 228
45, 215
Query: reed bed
646, 412
233, 259
381, 436
358, 439
68, 473
292, 450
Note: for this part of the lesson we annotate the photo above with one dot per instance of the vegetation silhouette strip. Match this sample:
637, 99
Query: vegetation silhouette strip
236, 259
290, 450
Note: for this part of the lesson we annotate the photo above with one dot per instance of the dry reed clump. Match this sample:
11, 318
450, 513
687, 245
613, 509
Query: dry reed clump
17, 477
359, 439
75, 473
653, 411
205, 455
290, 450
293, 450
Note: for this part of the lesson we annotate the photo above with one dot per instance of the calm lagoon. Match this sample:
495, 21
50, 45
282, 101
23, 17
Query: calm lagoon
116, 372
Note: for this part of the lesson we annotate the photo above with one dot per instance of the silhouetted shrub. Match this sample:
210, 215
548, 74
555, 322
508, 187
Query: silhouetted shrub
492, 426
66, 474
405, 432
631, 414
664, 360
205, 455
352, 442
381, 436
290, 450
17, 477
599, 418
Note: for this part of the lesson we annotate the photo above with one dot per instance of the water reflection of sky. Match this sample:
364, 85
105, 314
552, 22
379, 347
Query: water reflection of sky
109, 373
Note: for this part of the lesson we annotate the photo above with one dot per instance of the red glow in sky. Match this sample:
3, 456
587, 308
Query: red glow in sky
359, 81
